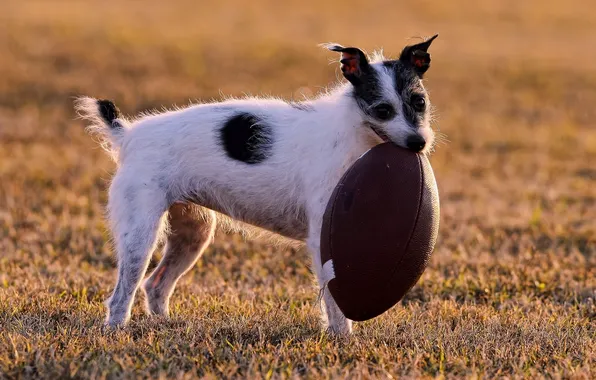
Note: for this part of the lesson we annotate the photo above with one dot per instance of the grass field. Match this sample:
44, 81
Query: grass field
511, 288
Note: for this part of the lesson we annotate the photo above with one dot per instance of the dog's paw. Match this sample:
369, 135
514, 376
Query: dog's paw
341, 329
115, 322
107, 328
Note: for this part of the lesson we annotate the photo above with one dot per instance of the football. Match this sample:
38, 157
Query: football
379, 230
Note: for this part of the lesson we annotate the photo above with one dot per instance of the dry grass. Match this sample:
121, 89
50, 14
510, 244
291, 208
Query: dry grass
511, 287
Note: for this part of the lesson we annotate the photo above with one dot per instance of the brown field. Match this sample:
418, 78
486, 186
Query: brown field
510, 291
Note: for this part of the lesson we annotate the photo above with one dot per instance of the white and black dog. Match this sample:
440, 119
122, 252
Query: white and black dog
265, 162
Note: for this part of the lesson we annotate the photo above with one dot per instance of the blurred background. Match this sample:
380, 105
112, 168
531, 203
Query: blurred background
513, 83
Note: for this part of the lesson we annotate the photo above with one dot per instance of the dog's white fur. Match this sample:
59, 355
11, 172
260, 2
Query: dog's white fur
174, 161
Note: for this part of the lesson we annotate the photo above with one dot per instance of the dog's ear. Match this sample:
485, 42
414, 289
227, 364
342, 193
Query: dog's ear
417, 56
354, 63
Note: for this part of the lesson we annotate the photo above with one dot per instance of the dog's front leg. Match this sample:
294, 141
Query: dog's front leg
334, 319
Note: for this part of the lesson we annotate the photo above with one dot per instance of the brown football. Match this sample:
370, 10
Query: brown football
379, 230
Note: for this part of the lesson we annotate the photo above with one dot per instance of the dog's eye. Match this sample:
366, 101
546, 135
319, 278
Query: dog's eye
383, 112
418, 102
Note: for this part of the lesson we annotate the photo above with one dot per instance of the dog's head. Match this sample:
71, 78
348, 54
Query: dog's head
390, 94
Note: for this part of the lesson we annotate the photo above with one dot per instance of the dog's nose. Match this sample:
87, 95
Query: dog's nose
415, 143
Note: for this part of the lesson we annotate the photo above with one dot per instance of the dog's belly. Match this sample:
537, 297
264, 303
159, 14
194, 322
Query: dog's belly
290, 220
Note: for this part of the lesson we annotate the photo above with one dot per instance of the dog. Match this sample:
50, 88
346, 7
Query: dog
264, 162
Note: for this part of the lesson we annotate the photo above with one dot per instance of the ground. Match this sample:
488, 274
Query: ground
510, 290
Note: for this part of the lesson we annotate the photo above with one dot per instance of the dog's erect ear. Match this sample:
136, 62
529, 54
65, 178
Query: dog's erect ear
417, 56
354, 63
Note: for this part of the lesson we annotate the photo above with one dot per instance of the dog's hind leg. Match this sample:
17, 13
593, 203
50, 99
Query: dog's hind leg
191, 230
136, 211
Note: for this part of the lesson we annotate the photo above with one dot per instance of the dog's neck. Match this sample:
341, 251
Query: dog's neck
340, 106
337, 114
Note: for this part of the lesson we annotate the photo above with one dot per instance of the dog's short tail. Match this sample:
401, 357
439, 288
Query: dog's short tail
105, 121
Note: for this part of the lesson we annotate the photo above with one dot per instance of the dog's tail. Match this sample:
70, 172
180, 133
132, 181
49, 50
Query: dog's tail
105, 120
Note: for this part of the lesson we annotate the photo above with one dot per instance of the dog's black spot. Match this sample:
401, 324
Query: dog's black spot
109, 112
302, 106
246, 138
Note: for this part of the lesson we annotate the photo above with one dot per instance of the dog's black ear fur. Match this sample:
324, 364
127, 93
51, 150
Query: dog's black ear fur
417, 56
354, 63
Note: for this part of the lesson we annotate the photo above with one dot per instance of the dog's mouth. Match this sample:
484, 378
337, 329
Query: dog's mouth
382, 135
